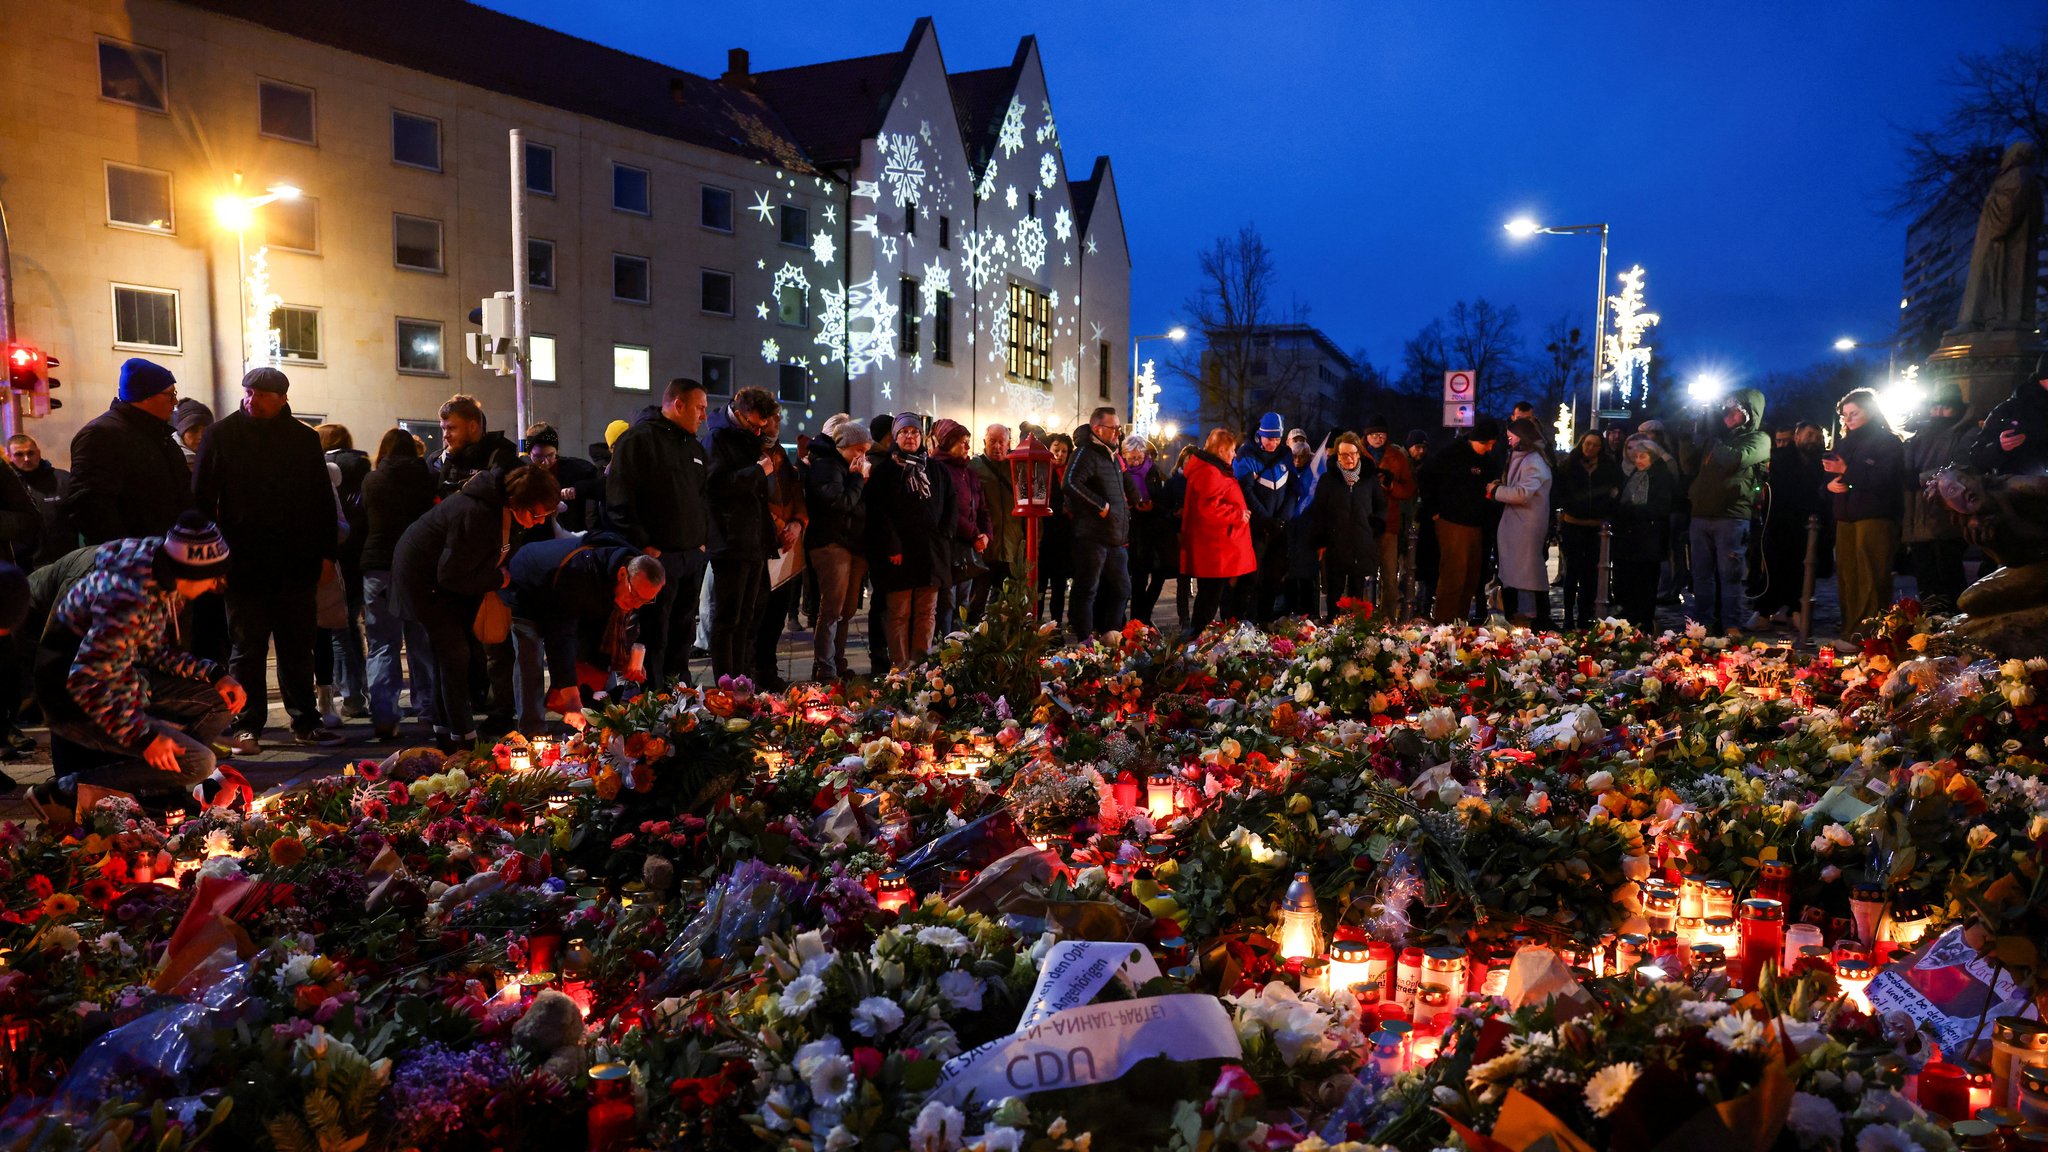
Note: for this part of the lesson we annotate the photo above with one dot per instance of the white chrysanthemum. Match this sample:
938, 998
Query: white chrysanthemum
1001, 1139
943, 938
1815, 1122
1605, 1090
877, 1016
938, 1128
801, 995
962, 991
1738, 1032
831, 1078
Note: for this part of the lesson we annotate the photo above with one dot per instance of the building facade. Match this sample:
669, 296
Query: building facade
1293, 369
1937, 269
678, 225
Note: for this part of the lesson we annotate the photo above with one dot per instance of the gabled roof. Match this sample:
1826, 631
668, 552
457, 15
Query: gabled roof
834, 106
981, 97
1084, 193
504, 54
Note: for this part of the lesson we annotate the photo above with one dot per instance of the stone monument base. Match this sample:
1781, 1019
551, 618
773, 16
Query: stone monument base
1986, 366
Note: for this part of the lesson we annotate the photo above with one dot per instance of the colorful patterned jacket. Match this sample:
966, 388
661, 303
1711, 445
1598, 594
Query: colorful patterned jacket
128, 621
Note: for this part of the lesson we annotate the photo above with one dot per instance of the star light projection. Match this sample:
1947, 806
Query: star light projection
1628, 358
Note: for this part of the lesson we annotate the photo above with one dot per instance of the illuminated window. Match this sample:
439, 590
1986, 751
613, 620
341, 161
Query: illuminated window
910, 219
416, 242
540, 264
906, 318
715, 373
139, 198
429, 432
631, 279
1102, 370
419, 348
792, 385
1030, 350
632, 368
945, 232
146, 318
716, 292
285, 112
630, 191
298, 333
793, 306
293, 225
540, 169
714, 209
132, 74
942, 329
796, 226
540, 358
415, 141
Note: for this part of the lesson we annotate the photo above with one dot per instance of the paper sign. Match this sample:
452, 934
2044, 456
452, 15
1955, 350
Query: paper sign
1075, 970
1091, 1045
1948, 991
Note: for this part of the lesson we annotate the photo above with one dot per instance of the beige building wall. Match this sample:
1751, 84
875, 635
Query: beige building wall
57, 134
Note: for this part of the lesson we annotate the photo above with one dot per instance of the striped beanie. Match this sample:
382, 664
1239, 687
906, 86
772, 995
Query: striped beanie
194, 549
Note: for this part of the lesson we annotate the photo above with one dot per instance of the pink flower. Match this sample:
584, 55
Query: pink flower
1234, 1078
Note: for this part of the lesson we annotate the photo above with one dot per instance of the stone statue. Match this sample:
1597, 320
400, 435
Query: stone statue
2004, 260
2006, 610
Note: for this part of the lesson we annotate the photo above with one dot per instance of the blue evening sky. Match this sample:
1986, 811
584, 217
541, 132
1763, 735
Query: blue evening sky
1743, 153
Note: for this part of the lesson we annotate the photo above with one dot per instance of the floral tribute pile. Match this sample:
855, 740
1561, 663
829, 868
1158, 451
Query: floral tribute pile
1356, 885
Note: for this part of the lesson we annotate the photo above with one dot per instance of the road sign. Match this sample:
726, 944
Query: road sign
1458, 415
1461, 386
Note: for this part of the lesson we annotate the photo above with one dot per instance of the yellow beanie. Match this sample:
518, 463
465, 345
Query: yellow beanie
613, 431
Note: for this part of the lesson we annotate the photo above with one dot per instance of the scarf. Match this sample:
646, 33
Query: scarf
617, 645
914, 476
1350, 474
1636, 489
1140, 478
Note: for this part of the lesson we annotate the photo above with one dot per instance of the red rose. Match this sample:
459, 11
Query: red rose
867, 1062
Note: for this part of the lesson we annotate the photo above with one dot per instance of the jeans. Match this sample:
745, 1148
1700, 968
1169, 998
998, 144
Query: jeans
954, 602
385, 633
737, 588
348, 657
840, 571
1719, 544
445, 620
911, 612
256, 616
189, 712
1104, 569
668, 626
529, 652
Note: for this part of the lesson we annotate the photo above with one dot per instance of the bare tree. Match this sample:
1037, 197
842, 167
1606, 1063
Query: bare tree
2000, 98
1237, 367
1564, 373
1476, 336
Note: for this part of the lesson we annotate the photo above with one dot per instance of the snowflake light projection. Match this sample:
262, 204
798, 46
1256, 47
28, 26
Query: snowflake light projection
1048, 170
924, 129
786, 276
770, 351
889, 249
867, 188
1145, 407
986, 190
998, 334
916, 363
831, 325
1029, 404
980, 254
1010, 197
763, 207
1046, 131
823, 248
1031, 244
1010, 138
1063, 224
870, 326
937, 278
902, 169
1628, 358
1068, 371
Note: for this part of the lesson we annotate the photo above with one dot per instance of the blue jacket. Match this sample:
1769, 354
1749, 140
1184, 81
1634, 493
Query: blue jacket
1269, 483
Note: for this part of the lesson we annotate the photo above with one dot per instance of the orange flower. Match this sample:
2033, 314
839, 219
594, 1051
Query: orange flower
656, 748
60, 904
287, 851
607, 783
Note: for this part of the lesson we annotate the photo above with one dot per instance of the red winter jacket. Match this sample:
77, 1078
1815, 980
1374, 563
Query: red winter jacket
1215, 540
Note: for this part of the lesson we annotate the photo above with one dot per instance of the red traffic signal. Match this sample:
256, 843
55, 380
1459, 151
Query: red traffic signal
28, 374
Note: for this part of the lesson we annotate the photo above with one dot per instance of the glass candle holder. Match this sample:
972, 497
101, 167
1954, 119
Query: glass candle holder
1763, 939
895, 893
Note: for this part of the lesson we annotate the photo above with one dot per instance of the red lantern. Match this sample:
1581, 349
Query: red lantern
1032, 474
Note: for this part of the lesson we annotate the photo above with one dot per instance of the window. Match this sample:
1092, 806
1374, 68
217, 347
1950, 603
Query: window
714, 209
139, 198
793, 306
716, 375
540, 358
429, 432
1102, 370
632, 368
540, 169
906, 318
419, 348
792, 384
416, 242
910, 219
946, 232
716, 288
1034, 205
942, 329
285, 112
146, 318
293, 225
629, 190
540, 264
132, 74
297, 331
1030, 350
796, 226
630, 279
415, 141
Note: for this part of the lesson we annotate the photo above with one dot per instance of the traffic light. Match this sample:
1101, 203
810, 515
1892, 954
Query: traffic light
28, 375
492, 348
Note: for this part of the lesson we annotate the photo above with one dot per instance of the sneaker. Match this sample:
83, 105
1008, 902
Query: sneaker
243, 743
329, 715
21, 742
1783, 616
50, 806
317, 738
354, 710
1758, 622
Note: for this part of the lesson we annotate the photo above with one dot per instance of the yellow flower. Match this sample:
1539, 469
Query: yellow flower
1980, 837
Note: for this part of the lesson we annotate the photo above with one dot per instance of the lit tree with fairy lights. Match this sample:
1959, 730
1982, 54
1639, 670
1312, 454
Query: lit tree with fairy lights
1145, 412
1628, 358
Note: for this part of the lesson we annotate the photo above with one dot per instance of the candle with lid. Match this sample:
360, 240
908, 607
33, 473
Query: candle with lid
1763, 939
609, 1124
1350, 964
1718, 899
1300, 929
1853, 974
895, 894
1159, 798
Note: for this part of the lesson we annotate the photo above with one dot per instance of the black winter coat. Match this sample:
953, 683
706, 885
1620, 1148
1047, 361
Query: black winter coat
355, 468
574, 472
656, 493
1460, 476
1096, 482
47, 487
1582, 494
452, 470
1642, 531
833, 496
565, 587
265, 483
21, 520
741, 527
902, 522
452, 552
128, 476
398, 492
2025, 412
1346, 520
1876, 477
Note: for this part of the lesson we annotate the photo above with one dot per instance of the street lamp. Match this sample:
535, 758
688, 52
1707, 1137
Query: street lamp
1522, 228
1175, 334
236, 212
1891, 350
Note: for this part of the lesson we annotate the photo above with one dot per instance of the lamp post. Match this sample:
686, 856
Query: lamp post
1175, 334
236, 212
1521, 228
1891, 350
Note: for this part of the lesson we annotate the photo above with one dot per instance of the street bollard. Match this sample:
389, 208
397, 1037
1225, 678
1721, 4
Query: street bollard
1806, 584
1600, 591
1409, 609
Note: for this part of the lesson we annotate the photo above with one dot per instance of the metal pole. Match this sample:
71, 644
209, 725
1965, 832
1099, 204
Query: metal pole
1606, 557
1408, 606
1806, 584
519, 412
10, 405
1599, 330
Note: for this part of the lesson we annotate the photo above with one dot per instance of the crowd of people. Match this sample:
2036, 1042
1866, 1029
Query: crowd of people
494, 584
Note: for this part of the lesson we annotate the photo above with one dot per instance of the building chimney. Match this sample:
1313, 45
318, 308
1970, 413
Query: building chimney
736, 73
675, 90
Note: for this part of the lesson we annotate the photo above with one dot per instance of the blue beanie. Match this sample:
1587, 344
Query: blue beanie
141, 379
1272, 425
